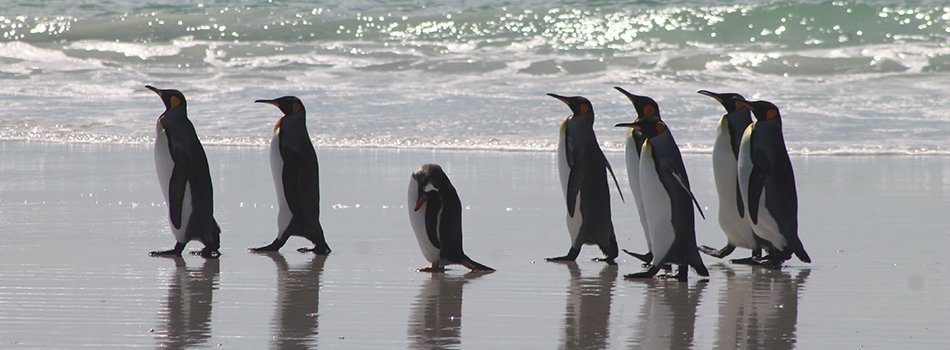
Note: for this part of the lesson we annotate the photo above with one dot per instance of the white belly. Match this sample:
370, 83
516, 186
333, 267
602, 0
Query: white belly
417, 218
657, 204
564, 171
163, 167
725, 169
277, 168
633, 176
767, 228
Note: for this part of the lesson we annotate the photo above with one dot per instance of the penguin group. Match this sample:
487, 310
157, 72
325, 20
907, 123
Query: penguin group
758, 205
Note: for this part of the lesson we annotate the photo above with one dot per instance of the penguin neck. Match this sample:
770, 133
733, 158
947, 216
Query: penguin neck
737, 121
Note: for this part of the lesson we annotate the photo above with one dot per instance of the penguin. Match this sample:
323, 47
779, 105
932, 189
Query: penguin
767, 185
296, 178
183, 174
668, 200
435, 213
725, 157
583, 168
646, 109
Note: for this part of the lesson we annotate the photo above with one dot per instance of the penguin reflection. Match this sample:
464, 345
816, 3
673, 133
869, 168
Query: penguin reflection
587, 318
668, 316
187, 316
758, 309
435, 321
298, 301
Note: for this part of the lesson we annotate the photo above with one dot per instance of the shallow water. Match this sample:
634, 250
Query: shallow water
77, 222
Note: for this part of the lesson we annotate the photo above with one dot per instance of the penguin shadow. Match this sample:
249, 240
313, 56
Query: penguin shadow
298, 300
667, 319
187, 314
587, 314
758, 308
435, 320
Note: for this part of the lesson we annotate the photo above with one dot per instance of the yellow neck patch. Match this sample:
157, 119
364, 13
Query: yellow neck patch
277, 126
174, 102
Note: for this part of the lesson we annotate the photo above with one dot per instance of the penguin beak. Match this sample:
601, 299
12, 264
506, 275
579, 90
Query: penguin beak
154, 89
744, 104
422, 200
270, 102
559, 97
629, 125
630, 96
710, 94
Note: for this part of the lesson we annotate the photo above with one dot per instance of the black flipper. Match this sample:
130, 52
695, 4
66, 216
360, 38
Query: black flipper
760, 174
574, 181
433, 206
686, 187
611, 170
176, 190
739, 205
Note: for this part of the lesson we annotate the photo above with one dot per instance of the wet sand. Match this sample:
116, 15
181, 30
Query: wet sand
77, 223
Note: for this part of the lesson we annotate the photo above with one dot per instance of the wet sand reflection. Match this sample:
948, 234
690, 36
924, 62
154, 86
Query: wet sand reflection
668, 316
298, 302
587, 315
435, 321
187, 315
758, 308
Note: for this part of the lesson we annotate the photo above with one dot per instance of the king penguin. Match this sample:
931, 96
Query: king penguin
296, 175
767, 184
725, 157
583, 168
668, 200
646, 109
183, 174
435, 213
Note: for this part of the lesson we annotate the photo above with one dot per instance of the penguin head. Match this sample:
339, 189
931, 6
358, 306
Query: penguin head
430, 179
580, 106
646, 107
171, 98
287, 104
730, 101
650, 127
762, 110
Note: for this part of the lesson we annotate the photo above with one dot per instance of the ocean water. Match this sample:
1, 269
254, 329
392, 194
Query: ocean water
851, 77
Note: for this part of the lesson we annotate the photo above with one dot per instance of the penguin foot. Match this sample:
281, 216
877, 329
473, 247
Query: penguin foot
207, 253
608, 260
432, 269
747, 261
646, 258
717, 253
269, 248
166, 253
315, 250
560, 258
639, 275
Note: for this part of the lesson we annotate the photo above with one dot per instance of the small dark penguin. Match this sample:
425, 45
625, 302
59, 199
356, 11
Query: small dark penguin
296, 177
583, 168
668, 201
183, 174
767, 183
725, 157
646, 109
435, 213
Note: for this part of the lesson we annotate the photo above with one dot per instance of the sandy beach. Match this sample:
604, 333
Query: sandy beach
77, 222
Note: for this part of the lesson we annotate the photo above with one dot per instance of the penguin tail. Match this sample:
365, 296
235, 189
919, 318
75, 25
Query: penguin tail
801, 254
700, 269
474, 266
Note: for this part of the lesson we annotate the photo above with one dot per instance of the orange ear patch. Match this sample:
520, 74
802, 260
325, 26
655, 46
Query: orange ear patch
584, 108
739, 105
174, 101
648, 111
772, 113
297, 107
660, 127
